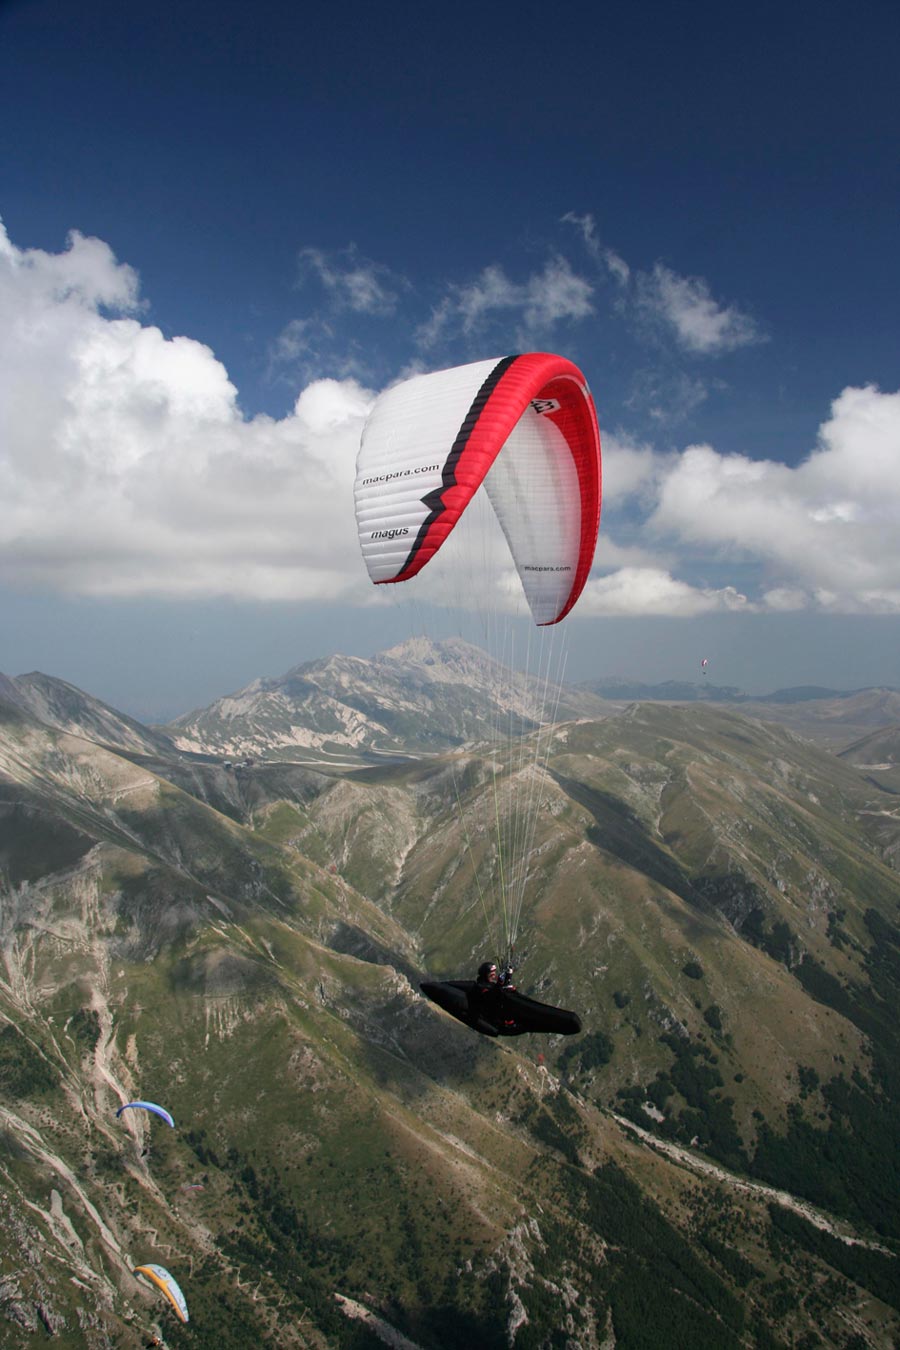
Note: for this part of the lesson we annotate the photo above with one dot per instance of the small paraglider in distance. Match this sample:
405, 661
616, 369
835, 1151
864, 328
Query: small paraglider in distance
703, 664
147, 1106
159, 1276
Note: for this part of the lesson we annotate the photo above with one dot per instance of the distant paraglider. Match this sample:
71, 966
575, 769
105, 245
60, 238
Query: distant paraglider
164, 1281
703, 664
147, 1106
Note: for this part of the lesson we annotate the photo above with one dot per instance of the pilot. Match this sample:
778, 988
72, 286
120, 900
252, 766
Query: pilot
490, 977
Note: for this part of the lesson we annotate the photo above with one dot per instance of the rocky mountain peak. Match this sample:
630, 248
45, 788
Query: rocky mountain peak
64, 706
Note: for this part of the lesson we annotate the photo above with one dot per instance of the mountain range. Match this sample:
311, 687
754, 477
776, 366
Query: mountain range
418, 697
201, 916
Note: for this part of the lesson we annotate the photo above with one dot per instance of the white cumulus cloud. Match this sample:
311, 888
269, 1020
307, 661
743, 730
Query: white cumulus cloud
647, 591
629, 470
826, 530
126, 466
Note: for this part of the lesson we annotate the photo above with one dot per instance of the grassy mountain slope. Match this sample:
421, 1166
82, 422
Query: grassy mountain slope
707, 891
877, 757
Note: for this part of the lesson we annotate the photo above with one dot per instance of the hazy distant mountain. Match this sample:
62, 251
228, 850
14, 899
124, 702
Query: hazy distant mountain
686, 691
670, 691
833, 717
803, 693
59, 704
419, 696
836, 721
705, 1165
878, 707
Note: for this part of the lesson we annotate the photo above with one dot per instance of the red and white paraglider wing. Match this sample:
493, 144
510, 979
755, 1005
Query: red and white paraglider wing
523, 426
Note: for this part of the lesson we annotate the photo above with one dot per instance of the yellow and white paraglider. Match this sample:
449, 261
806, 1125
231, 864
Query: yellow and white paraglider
159, 1276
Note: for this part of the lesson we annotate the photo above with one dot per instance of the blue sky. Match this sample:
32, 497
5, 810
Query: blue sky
228, 227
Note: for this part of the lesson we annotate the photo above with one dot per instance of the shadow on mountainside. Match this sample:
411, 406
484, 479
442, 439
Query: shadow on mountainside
350, 940
620, 832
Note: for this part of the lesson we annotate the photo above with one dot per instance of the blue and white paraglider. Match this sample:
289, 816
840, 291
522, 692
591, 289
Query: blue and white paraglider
147, 1106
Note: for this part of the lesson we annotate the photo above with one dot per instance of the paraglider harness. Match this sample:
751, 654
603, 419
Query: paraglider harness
504, 981
494, 1007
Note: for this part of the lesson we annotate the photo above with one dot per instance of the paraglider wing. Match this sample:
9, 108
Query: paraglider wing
502, 1013
148, 1106
163, 1280
525, 428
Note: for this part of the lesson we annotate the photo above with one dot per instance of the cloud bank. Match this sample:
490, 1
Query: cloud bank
127, 467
